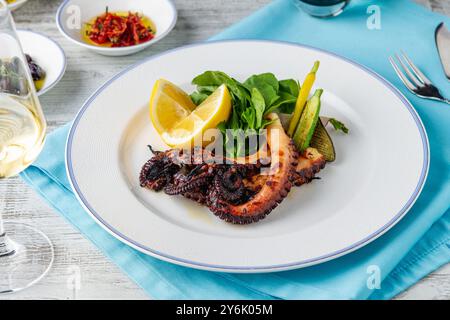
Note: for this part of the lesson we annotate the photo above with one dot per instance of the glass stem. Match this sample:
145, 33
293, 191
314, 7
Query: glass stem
2, 230
6, 245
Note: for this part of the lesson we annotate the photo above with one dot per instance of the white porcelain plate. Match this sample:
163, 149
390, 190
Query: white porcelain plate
380, 169
47, 54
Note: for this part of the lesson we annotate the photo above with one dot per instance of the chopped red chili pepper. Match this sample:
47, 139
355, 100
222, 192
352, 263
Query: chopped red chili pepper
119, 31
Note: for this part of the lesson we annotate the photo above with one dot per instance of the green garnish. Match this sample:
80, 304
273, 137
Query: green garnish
257, 96
338, 126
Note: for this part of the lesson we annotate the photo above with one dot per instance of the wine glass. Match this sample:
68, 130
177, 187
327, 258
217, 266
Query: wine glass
26, 254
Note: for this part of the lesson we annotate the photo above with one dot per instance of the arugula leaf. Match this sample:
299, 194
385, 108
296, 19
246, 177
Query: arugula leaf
207, 89
217, 78
259, 106
290, 86
239, 137
262, 80
267, 84
249, 116
338, 126
289, 90
222, 127
209, 78
285, 103
234, 122
198, 97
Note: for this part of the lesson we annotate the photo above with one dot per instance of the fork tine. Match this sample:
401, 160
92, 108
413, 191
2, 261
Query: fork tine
402, 77
416, 70
411, 76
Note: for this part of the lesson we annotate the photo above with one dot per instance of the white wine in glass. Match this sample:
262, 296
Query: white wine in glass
26, 254
22, 130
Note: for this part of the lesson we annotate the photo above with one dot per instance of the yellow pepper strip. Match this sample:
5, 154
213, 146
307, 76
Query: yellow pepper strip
302, 97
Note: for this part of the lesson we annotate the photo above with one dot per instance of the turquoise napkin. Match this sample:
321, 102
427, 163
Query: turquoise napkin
417, 245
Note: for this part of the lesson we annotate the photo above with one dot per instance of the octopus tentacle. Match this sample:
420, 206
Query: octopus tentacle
276, 187
229, 185
191, 183
309, 164
160, 171
198, 195
157, 171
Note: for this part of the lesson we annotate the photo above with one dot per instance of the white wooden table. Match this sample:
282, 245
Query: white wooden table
101, 279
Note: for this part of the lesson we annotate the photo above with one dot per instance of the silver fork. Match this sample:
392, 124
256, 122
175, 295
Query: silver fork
415, 80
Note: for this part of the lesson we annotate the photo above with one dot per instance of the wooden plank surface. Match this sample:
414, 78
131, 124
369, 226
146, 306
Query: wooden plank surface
198, 20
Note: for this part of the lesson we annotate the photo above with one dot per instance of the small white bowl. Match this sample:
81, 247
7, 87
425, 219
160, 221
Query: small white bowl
47, 54
16, 4
70, 12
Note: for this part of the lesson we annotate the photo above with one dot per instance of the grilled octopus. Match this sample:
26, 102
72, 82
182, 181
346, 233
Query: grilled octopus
239, 191
272, 188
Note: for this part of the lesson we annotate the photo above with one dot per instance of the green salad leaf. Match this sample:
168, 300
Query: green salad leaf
338, 125
198, 97
266, 84
290, 86
252, 99
259, 105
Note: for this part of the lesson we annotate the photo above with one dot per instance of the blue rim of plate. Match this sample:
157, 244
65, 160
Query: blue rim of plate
272, 268
141, 45
63, 70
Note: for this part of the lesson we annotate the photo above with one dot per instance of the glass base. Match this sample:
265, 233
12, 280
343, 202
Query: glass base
30, 260
323, 11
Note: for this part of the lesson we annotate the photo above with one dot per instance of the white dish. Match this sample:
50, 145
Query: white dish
72, 14
46, 53
380, 169
16, 4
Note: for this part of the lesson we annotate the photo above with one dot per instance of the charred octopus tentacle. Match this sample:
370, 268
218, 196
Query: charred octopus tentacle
158, 171
229, 184
165, 167
275, 189
198, 177
199, 195
310, 163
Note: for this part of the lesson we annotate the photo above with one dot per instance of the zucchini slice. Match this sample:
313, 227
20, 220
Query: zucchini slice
321, 140
307, 123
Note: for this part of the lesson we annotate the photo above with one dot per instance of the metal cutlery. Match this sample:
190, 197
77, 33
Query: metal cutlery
414, 79
442, 36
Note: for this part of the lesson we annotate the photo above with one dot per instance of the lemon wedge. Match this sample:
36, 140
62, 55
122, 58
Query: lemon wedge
168, 105
179, 122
